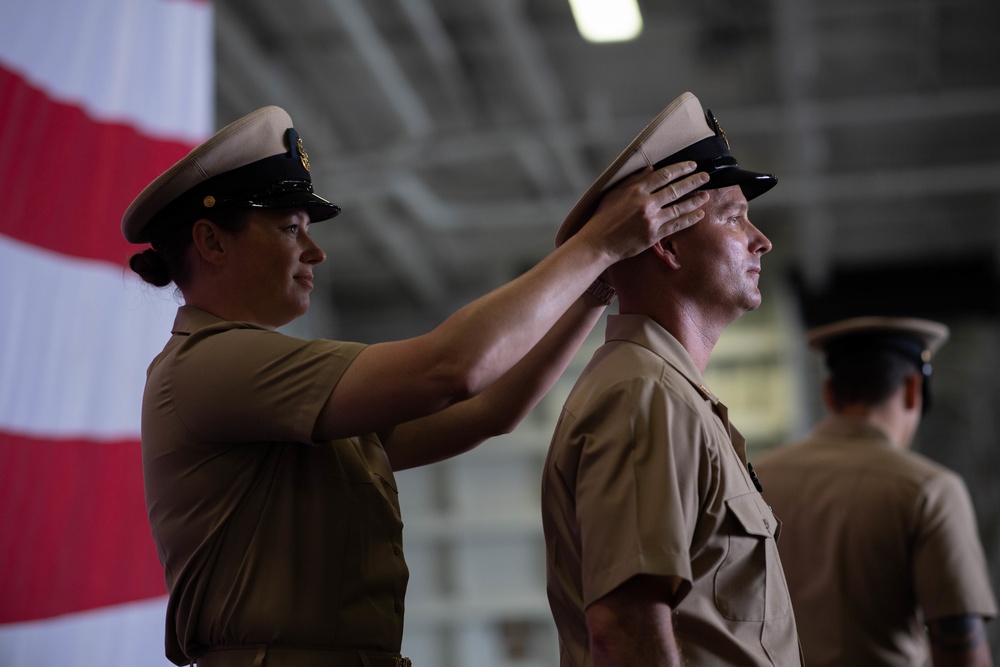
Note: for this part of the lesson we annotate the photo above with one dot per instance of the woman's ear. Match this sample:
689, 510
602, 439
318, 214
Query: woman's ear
668, 252
208, 240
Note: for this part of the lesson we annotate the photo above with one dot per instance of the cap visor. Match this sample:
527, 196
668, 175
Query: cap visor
752, 183
319, 208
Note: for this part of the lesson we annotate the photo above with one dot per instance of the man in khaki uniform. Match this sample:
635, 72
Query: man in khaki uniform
878, 540
659, 546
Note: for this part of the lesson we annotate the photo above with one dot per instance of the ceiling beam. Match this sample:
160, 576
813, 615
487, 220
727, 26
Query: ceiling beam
247, 62
794, 190
746, 121
443, 56
404, 254
379, 56
541, 87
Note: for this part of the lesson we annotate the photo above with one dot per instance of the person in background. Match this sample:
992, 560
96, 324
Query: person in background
878, 541
268, 460
660, 548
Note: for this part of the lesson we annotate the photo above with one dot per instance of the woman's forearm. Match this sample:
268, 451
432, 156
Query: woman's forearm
501, 406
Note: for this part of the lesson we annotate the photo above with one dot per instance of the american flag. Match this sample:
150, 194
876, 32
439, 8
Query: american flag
97, 97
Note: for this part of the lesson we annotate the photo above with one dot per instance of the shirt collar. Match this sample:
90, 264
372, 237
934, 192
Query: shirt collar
851, 428
643, 330
190, 319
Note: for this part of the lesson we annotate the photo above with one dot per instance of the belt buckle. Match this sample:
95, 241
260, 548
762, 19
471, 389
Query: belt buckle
401, 662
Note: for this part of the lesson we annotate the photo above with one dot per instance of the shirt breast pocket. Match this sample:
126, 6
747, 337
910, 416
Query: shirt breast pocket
749, 584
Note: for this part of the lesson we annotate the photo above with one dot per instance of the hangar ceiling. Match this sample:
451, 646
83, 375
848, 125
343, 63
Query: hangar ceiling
456, 134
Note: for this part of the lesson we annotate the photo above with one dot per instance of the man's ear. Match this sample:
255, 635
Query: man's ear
668, 252
208, 240
912, 394
828, 399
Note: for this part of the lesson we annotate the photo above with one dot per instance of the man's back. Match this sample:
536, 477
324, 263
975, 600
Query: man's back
870, 535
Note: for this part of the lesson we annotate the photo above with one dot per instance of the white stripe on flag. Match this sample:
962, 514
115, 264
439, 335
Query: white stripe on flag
129, 634
78, 334
77, 338
139, 62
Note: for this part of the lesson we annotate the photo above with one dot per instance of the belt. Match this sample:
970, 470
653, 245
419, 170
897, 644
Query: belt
284, 656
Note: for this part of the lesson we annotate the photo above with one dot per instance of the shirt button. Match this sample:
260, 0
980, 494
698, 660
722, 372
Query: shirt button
398, 608
396, 550
767, 524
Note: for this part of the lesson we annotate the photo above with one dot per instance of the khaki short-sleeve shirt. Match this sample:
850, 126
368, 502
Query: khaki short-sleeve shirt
872, 538
265, 536
645, 475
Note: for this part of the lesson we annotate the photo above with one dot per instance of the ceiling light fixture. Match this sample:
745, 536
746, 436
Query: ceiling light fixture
607, 20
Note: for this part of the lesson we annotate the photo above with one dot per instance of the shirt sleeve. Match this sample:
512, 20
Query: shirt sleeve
636, 494
253, 385
950, 570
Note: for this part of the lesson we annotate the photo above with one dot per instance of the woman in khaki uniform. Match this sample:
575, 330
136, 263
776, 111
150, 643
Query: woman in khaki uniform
268, 460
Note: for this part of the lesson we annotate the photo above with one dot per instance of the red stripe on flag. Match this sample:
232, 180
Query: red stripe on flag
66, 179
75, 534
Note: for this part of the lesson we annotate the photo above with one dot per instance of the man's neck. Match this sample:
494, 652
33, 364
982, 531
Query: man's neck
696, 334
883, 417
644, 289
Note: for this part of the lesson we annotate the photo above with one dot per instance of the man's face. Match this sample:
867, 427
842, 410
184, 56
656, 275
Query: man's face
720, 256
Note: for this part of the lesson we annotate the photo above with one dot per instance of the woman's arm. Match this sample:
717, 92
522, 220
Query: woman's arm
391, 383
502, 405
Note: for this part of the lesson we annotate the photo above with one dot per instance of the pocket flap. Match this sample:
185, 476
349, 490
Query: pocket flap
751, 515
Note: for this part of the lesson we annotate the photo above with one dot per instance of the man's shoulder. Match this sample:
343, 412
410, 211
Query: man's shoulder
625, 366
794, 452
818, 452
932, 474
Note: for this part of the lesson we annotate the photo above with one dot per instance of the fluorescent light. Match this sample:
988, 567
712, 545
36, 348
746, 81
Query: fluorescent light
607, 20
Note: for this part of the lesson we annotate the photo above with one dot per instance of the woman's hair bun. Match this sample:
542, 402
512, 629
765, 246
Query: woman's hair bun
151, 267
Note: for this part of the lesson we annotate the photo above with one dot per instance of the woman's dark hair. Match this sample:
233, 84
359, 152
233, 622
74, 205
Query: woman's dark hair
167, 262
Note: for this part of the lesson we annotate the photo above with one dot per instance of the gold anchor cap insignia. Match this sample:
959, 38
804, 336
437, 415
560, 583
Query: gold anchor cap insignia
717, 127
303, 156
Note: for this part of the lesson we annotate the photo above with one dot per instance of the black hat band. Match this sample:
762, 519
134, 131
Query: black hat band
713, 157
281, 179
